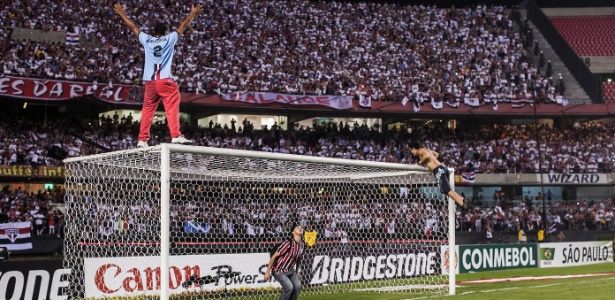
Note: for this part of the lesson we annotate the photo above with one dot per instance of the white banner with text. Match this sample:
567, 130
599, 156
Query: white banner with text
575, 253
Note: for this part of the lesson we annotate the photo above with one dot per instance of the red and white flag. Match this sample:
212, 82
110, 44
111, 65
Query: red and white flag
72, 38
365, 101
15, 236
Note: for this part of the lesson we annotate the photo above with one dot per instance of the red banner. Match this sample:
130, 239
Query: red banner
42, 89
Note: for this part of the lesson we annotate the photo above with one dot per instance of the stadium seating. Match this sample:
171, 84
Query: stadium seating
608, 91
588, 36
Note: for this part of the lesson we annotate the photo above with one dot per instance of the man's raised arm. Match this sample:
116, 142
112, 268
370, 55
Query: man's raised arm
195, 10
119, 9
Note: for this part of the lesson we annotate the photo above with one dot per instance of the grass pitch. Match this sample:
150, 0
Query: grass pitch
524, 284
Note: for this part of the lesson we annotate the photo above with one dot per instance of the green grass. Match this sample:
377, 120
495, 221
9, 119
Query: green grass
598, 288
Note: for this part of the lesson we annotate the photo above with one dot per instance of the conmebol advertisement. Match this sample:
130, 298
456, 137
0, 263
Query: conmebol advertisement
476, 258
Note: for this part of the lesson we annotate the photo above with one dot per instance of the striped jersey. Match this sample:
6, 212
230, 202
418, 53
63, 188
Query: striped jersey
289, 251
159, 53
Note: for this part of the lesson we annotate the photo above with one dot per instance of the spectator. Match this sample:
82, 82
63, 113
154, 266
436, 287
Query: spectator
422, 52
522, 236
159, 50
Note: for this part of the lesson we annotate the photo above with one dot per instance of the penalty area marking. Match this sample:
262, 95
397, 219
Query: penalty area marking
526, 287
526, 278
489, 280
403, 288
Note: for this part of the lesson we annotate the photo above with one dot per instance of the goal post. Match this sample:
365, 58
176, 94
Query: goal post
209, 215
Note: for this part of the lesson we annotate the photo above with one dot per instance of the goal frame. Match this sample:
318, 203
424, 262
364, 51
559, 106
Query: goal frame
166, 149
165, 171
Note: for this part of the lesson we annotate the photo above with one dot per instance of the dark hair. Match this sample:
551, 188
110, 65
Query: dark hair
292, 228
415, 145
160, 29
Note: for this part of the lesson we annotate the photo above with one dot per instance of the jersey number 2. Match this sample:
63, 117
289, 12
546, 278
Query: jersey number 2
157, 51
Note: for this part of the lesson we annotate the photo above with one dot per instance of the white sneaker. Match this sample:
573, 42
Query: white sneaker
181, 140
142, 144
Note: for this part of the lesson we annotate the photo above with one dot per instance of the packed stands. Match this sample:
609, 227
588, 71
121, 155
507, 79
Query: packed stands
248, 219
38, 208
492, 148
384, 51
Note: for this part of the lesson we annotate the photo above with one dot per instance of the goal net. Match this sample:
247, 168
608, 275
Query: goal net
209, 217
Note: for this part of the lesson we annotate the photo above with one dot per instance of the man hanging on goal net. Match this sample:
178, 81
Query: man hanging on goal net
429, 159
159, 50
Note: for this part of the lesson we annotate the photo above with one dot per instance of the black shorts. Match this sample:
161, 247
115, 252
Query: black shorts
441, 173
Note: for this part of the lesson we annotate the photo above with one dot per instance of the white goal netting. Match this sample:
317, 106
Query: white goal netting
378, 227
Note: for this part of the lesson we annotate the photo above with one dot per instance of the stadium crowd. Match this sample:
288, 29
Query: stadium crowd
489, 148
40, 209
584, 147
383, 51
263, 213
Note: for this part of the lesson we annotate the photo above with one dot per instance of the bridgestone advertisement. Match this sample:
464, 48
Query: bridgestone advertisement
350, 266
575, 254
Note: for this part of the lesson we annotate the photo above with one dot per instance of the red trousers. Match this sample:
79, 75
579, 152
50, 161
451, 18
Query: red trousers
164, 89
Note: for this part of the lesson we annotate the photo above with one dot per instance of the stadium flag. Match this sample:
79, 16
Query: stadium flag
495, 104
365, 102
196, 227
15, 236
469, 176
72, 38
238, 94
404, 101
518, 105
452, 103
471, 102
436, 104
561, 100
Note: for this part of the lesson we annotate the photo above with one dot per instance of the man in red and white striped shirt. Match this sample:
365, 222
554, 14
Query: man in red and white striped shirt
286, 264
